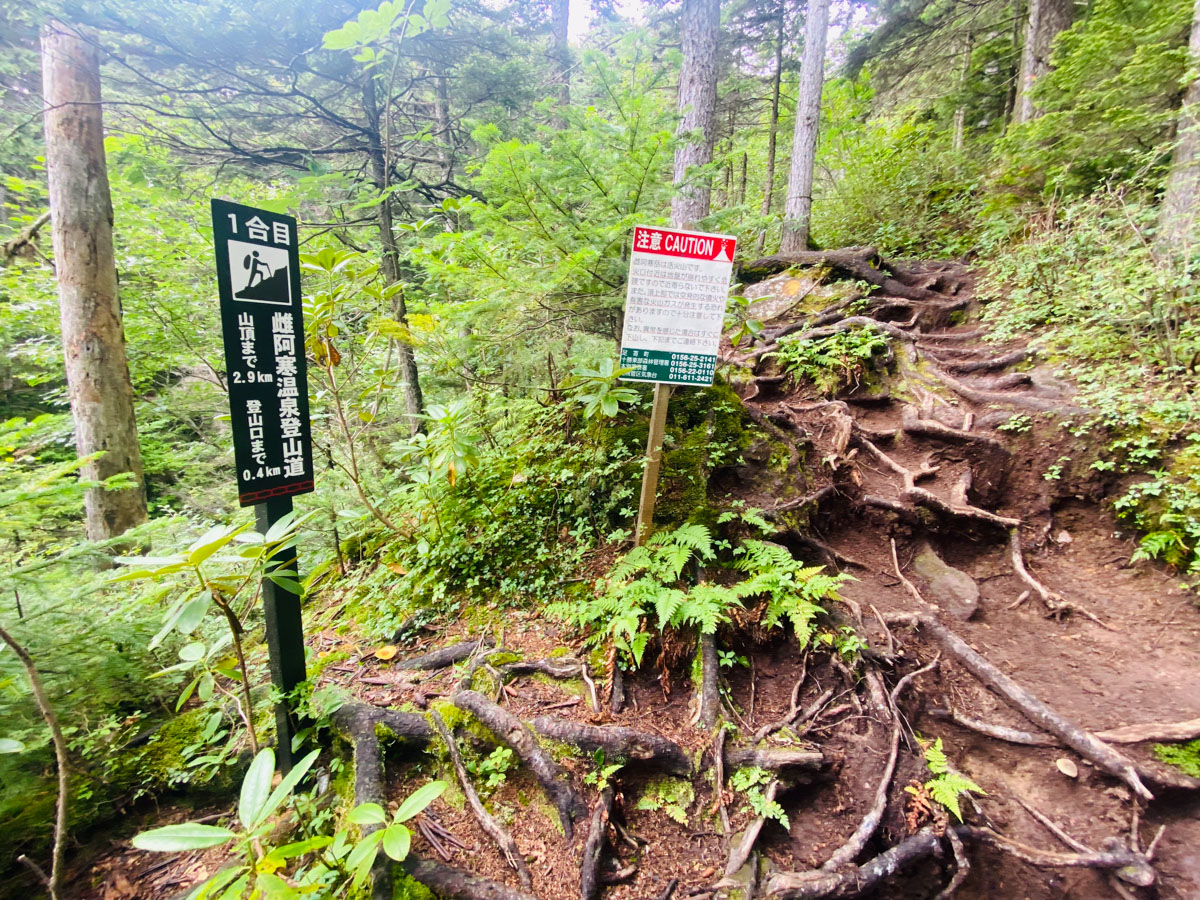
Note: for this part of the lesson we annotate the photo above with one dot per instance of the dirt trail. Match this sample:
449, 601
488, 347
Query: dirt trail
911, 458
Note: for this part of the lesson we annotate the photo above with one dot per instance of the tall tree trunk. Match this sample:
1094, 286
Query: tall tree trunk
560, 13
414, 403
1045, 21
697, 103
1177, 222
93, 336
1014, 71
441, 122
960, 111
798, 209
772, 129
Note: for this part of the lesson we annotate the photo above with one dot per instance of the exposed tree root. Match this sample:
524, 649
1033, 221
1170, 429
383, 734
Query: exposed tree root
1126, 734
589, 866
1131, 865
1055, 602
855, 262
496, 831
775, 760
922, 497
513, 732
617, 743
1026, 401
1082, 742
857, 880
912, 423
446, 656
741, 853
450, 883
988, 364
962, 866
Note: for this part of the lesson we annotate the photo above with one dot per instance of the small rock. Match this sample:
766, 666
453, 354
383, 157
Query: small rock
1067, 767
951, 589
1064, 538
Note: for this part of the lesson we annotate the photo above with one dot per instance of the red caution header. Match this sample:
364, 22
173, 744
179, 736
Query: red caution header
686, 244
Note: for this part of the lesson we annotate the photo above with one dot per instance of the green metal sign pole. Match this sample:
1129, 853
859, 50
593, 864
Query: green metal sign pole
285, 631
654, 445
262, 323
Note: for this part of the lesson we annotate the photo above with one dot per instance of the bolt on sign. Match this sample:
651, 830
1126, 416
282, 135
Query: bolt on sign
258, 272
675, 305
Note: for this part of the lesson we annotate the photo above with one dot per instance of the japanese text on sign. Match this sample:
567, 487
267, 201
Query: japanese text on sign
258, 272
675, 305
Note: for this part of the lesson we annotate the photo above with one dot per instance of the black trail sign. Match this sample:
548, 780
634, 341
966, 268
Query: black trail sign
258, 270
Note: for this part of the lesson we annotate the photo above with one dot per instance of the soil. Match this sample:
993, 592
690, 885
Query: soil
1139, 666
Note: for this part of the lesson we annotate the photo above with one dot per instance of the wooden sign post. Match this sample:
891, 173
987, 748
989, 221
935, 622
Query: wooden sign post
674, 315
258, 273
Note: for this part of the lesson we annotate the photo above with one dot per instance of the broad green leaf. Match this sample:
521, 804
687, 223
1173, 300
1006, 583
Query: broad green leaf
362, 856
210, 542
188, 836
285, 787
396, 841
299, 848
419, 799
256, 786
11, 745
273, 887
193, 612
192, 652
368, 814
218, 882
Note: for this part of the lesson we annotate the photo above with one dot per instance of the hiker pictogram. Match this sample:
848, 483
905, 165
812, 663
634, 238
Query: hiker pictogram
260, 274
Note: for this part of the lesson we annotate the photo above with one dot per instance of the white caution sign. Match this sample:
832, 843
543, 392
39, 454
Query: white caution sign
675, 305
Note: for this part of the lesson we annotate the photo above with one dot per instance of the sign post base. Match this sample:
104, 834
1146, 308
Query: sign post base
654, 445
285, 631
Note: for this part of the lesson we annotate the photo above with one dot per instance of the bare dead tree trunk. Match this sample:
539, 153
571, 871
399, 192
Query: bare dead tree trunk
414, 403
798, 209
772, 129
441, 113
1046, 19
1177, 219
697, 103
93, 336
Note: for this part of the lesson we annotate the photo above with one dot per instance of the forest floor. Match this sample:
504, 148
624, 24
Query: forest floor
906, 476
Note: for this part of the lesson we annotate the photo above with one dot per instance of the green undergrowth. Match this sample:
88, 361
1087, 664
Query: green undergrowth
1089, 289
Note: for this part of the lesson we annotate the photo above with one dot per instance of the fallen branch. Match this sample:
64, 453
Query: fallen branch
618, 743
589, 866
496, 831
857, 880
513, 732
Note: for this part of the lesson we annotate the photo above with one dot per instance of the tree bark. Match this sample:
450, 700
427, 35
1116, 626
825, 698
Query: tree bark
697, 103
772, 129
93, 336
1045, 20
960, 111
798, 209
1177, 224
414, 403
